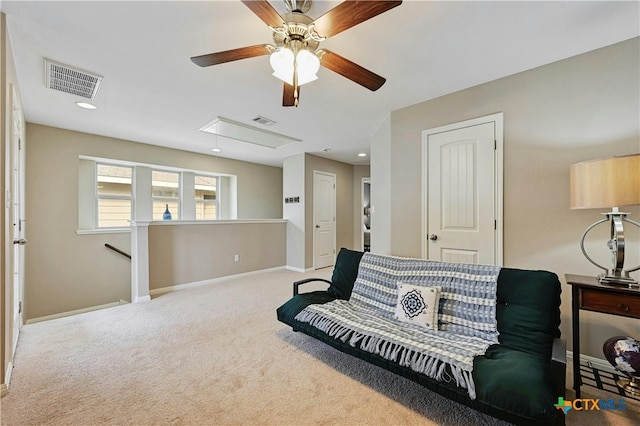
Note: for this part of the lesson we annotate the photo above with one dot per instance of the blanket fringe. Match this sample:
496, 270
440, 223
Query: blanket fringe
417, 361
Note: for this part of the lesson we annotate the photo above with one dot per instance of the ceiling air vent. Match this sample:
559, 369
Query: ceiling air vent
264, 120
71, 80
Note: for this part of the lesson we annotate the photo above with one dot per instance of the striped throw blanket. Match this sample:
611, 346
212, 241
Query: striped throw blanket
466, 318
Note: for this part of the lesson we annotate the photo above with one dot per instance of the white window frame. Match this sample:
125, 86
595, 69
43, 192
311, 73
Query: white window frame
215, 202
141, 193
99, 197
169, 199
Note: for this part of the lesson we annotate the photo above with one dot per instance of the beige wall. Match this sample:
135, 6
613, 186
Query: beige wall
577, 109
381, 187
66, 271
344, 202
188, 253
293, 186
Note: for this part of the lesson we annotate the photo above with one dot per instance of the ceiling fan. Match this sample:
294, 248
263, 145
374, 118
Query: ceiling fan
295, 58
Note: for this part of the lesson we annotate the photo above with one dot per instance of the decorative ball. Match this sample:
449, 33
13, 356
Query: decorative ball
624, 354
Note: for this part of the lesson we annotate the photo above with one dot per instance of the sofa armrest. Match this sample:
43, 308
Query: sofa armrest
559, 366
297, 284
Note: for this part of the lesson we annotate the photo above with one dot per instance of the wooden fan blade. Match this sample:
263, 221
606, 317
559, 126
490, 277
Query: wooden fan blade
288, 96
349, 14
350, 70
231, 55
265, 11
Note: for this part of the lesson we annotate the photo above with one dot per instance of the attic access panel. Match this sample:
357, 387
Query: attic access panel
245, 133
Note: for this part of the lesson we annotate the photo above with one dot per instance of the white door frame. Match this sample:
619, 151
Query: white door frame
361, 213
498, 120
14, 209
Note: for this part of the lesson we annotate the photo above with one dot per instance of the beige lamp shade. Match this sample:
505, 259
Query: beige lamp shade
610, 182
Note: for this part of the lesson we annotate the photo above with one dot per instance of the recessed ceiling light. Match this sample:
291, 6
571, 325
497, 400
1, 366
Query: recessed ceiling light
216, 150
362, 154
326, 149
85, 105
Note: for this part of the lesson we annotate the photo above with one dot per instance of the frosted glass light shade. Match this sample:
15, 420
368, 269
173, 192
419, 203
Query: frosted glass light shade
307, 65
282, 63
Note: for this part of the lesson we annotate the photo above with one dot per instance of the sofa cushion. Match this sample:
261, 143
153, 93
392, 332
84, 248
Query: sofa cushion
528, 310
345, 273
418, 305
516, 382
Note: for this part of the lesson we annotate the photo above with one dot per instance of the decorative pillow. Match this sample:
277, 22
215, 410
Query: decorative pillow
418, 305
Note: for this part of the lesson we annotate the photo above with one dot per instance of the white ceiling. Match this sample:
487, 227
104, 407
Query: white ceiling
153, 93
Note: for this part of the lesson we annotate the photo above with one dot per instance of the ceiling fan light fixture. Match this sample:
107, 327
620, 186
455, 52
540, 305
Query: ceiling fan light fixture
285, 64
297, 34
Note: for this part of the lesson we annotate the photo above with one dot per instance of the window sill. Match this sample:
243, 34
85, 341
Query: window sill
214, 222
103, 231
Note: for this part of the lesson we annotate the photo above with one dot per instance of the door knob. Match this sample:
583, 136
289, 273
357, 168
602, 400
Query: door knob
433, 237
21, 241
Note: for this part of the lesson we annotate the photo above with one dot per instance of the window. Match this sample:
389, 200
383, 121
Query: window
206, 189
113, 195
165, 193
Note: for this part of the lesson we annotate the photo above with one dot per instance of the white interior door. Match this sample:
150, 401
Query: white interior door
463, 194
16, 214
324, 219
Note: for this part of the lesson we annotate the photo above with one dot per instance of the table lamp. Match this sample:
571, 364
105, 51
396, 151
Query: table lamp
608, 183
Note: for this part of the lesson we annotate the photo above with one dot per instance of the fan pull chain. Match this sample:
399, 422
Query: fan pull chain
295, 81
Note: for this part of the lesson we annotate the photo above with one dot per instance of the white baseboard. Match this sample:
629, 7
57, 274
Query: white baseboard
295, 269
153, 292
75, 312
600, 364
177, 287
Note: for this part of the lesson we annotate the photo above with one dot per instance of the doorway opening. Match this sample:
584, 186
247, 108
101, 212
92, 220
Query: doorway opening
366, 214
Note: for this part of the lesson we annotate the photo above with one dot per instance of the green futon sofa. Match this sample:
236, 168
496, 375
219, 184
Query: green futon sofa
518, 380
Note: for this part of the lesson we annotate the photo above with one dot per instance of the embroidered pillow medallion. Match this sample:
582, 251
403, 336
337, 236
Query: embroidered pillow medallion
418, 305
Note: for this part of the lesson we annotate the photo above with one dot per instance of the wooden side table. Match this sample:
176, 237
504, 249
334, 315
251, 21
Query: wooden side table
588, 294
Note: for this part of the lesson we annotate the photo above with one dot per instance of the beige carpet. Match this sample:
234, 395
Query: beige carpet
216, 355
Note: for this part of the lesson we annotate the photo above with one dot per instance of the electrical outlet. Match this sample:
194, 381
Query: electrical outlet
236, 258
